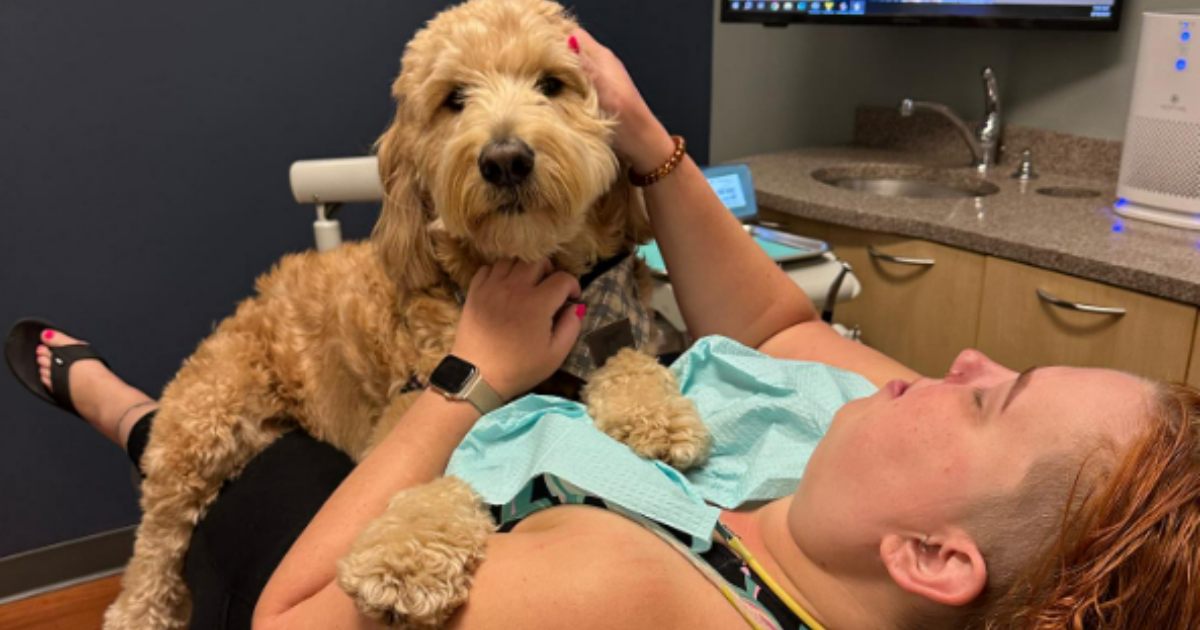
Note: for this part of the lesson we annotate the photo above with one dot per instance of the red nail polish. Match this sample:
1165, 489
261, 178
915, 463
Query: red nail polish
48, 334
580, 310
573, 44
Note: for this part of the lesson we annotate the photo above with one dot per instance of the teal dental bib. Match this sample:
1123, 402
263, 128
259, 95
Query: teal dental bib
765, 414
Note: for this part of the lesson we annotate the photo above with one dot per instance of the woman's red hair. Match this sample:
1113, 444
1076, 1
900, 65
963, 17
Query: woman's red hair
1129, 558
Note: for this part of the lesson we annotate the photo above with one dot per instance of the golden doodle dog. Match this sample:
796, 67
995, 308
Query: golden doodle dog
498, 149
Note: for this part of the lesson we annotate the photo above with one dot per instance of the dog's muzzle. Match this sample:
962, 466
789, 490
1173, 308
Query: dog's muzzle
506, 163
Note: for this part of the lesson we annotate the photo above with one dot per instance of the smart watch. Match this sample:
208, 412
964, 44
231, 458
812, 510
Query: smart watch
457, 379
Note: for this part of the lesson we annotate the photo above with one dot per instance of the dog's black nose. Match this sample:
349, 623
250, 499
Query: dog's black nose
506, 162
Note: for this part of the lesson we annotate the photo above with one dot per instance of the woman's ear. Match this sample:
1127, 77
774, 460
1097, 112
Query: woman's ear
947, 569
401, 234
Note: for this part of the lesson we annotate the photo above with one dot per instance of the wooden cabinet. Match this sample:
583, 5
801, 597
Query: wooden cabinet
923, 315
920, 300
1021, 325
1193, 376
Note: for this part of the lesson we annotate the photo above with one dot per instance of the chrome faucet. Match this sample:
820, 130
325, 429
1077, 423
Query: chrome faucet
984, 141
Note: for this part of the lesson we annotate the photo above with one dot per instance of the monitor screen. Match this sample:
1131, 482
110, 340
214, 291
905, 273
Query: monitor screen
1073, 14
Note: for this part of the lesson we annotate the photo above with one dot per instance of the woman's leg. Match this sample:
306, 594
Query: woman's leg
117, 410
139, 437
249, 527
252, 524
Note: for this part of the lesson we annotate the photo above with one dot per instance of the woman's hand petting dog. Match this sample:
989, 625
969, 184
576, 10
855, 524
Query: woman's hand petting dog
640, 138
518, 325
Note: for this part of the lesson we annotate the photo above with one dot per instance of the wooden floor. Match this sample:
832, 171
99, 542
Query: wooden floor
79, 607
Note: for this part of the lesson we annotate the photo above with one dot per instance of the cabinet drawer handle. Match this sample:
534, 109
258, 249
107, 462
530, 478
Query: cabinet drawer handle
1075, 306
899, 260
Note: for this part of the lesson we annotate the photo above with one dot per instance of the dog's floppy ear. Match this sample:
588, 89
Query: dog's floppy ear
401, 234
637, 220
623, 208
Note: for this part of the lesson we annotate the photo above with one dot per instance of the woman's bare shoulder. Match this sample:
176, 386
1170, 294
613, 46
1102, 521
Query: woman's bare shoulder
816, 341
582, 568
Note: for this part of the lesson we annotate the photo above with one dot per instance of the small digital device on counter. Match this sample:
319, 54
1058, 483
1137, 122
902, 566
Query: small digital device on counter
735, 188
1066, 14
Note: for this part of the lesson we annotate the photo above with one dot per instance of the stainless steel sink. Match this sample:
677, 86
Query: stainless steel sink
889, 180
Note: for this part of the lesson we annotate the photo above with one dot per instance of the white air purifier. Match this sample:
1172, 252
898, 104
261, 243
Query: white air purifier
1160, 165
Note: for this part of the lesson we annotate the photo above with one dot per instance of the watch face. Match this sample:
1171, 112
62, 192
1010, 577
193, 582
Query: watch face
452, 374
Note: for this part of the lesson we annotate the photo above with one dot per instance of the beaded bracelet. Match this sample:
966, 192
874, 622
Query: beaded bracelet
641, 181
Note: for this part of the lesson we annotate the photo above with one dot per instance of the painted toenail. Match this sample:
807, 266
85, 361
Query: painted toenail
580, 310
48, 334
573, 44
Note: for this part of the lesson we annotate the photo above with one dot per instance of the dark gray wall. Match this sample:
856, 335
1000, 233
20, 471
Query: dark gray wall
144, 149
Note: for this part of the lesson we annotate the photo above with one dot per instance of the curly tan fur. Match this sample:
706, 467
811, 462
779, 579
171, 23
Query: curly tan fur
395, 571
331, 339
327, 342
636, 401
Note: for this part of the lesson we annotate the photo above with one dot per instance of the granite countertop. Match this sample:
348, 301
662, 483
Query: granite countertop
1077, 236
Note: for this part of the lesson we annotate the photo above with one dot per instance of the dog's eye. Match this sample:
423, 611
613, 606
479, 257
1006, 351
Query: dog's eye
455, 100
550, 86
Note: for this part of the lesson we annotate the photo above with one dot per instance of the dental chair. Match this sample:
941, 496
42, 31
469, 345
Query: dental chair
329, 183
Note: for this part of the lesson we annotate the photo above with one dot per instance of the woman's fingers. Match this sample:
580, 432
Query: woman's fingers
592, 56
559, 287
481, 276
502, 269
531, 273
586, 42
566, 329
640, 138
509, 327
512, 278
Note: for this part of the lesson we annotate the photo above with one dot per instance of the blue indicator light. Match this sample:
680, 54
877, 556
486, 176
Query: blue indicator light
1185, 36
1120, 202
1181, 64
1118, 227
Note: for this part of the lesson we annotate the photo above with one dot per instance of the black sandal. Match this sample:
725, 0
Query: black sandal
20, 350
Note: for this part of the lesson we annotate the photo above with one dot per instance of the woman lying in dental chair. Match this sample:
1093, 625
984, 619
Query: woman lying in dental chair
1054, 498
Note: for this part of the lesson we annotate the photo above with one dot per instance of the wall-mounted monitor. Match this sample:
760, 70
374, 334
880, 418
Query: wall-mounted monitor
1065, 14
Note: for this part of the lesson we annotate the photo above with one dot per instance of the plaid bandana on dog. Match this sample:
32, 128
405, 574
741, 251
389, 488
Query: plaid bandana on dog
616, 318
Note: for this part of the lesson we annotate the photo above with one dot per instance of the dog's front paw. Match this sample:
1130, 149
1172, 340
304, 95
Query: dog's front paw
412, 566
637, 401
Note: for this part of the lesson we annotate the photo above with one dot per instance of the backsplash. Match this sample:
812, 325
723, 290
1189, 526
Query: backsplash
927, 133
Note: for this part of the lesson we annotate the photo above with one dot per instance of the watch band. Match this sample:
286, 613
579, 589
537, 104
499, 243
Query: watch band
481, 395
459, 379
